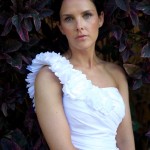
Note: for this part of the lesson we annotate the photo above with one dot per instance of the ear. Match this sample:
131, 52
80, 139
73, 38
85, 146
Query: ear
101, 19
60, 28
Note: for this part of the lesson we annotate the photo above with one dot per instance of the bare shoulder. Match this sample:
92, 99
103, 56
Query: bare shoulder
117, 73
46, 83
45, 75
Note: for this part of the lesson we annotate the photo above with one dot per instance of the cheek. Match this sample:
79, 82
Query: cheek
94, 25
67, 30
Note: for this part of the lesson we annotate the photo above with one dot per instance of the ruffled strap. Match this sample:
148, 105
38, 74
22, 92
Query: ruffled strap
75, 84
58, 64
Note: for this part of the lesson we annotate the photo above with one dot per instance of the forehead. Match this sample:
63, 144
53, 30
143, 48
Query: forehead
70, 6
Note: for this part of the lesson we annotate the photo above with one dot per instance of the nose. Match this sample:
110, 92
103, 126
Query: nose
79, 24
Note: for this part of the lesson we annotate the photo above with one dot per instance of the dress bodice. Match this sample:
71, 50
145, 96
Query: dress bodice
93, 113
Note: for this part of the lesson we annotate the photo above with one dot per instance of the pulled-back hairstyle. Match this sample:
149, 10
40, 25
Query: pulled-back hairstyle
56, 6
61, 42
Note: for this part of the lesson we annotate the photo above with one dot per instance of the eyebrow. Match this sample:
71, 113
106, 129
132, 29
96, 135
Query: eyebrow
86, 11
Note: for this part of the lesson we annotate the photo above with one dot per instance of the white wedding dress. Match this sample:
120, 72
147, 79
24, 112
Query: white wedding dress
93, 113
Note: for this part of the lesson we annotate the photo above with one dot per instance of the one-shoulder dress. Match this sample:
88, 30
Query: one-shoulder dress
93, 113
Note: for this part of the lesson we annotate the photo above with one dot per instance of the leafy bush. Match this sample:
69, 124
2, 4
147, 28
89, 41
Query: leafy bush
26, 28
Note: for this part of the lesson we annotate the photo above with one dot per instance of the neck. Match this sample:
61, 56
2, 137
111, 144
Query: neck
86, 59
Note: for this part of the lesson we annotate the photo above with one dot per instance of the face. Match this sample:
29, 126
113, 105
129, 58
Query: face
79, 22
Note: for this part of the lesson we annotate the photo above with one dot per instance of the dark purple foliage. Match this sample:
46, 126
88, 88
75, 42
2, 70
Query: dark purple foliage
26, 28
146, 51
22, 16
148, 134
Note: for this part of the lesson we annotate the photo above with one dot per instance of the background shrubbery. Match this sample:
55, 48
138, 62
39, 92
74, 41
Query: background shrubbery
26, 28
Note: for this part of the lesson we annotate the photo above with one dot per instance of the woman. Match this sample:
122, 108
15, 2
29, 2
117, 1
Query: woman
80, 100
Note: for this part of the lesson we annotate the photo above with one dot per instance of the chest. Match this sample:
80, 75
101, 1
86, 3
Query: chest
99, 77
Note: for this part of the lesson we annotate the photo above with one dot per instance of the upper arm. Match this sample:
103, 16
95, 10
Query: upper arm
49, 110
124, 137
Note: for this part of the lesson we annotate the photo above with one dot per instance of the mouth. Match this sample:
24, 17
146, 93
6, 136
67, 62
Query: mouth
81, 37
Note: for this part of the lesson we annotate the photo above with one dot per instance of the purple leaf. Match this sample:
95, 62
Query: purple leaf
45, 13
137, 84
7, 144
8, 27
4, 56
122, 45
133, 71
12, 106
3, 18
26, 59
146, 51
134, 17
33, 1
16, 62
12, 45
37, 23
19, 137
23, 33
28, 24
146, 78
117, 32
144, 6
126, 54
16, 20
17, 5
29, 119
123, 4
110, 8
14, 7
41, 4
144, 26
30, 13
148, 134
4, 109
38, 144
20, 27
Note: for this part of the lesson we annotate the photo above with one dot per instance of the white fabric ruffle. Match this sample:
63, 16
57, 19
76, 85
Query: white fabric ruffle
75, 83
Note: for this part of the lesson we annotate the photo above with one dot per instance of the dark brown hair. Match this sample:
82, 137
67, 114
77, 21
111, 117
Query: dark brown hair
61, 42
56, 6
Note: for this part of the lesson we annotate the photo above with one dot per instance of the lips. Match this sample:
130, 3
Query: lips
81, 36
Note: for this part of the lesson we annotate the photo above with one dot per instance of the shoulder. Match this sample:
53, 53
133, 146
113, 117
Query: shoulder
46, 77
117, 72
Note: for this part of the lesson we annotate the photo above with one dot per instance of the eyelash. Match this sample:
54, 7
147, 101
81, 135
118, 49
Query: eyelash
68, 19
86, 16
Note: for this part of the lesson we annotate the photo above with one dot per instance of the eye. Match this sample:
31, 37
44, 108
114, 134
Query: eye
68, 19
87, 15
